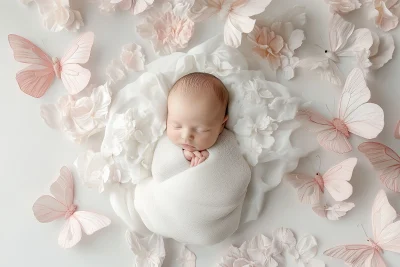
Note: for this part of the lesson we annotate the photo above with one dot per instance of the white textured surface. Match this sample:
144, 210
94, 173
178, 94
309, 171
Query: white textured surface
32, 154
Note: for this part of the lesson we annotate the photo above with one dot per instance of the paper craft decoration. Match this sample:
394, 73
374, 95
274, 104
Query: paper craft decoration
149, 251
61, 204
186, 257
305, 251
385, 161
380, 53
355, 116
335, 180
397, 131
386, 235
385, 13
343, 6
344, 41
35, 79
277, 41
334, 212
235, 13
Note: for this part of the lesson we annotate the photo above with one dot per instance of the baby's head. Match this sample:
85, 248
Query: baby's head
197, 111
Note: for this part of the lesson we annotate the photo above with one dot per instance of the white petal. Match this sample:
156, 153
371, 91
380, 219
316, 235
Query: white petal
186, 257
385, 52
132, 57
307, 247
283, 240
115, 72
296, 39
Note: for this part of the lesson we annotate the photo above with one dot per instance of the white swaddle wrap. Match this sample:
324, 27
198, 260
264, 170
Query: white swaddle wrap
199, 205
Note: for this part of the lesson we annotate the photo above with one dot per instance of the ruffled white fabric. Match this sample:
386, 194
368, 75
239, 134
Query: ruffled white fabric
138, 119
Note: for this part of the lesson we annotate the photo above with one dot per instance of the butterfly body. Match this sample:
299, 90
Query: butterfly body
61, 205
320, 181
332, 56
71, 210
354, 115
386, 233
38, 76
57, 67
341, 127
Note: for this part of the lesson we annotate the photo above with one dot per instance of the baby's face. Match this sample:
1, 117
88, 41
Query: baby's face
194, 122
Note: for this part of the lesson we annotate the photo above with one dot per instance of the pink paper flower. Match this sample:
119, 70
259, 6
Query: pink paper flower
132, 57
268, 45
57, 15
385, 12
168, 29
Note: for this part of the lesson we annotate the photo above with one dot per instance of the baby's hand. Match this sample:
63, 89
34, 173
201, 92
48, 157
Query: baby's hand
196, 157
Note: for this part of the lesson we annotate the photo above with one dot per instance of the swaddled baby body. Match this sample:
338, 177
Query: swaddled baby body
200, 177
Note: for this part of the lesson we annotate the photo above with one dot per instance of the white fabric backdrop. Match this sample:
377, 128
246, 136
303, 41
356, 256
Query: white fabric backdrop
32, 153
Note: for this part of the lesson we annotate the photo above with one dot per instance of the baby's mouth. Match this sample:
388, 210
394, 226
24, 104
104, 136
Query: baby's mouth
188, 147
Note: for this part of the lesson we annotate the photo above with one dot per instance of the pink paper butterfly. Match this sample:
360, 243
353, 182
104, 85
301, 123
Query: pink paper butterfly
386, 237
355, 116
35, 79
335, 180
397, 131
48, 208
384, 160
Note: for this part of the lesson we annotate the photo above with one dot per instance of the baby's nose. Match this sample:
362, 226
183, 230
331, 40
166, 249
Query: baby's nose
187, 134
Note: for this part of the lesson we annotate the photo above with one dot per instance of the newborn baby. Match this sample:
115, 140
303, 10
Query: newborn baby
197, 114
200, 205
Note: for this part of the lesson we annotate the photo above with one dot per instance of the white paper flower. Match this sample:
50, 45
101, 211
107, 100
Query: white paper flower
134, 6
256, 91
95, 170
385, 12
306, 250
132, 57
57, 15
343, 6
115, 72
79, 118
283, 240
186, 257
168, 30
149, 251
258, 125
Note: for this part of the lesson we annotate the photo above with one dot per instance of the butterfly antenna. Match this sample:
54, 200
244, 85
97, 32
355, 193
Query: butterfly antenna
362, 226
330, 112
319, 166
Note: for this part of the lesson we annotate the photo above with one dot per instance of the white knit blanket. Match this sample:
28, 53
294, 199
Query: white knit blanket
199, 205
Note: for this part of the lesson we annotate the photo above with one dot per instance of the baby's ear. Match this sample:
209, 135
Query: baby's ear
224, 123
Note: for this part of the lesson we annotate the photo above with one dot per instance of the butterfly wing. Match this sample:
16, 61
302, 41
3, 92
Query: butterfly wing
27, 52
384, 160
79, 50
90, 221
386, 232
70, 234
63, 188
307, 189
47, 209
75, 78
328, 137
397, 131
326, 68
339, 32
336, 179
357, 255
361, 118
35, 79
